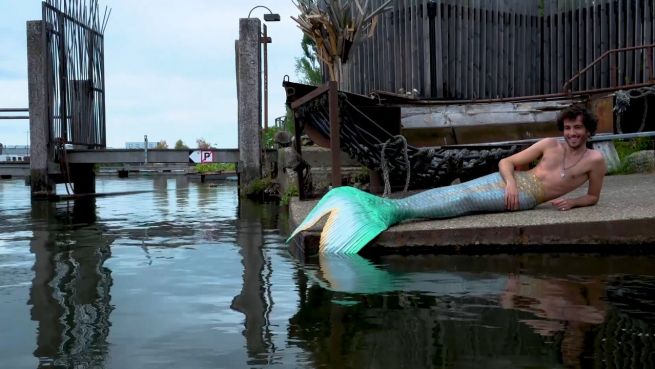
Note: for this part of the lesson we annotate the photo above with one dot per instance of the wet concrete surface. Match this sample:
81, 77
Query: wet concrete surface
624, 215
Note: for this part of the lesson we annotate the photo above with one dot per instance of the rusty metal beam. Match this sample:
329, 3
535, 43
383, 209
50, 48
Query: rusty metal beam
335, 130
602, 56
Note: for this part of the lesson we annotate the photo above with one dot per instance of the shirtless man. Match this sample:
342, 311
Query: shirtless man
356, 217
563, 166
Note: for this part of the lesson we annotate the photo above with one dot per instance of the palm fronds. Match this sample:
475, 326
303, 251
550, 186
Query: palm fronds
336, 26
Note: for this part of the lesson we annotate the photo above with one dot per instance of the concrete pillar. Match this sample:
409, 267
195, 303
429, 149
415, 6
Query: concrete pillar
40, 153
249, 100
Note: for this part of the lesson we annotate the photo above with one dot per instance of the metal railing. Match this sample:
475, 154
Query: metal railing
76, 75
614, 75
14, 110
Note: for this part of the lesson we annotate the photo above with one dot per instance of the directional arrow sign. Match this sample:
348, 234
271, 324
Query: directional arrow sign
201, 156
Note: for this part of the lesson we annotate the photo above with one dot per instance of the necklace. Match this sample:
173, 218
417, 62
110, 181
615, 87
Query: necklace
562, 172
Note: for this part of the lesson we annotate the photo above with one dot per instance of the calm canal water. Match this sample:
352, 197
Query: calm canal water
185, 276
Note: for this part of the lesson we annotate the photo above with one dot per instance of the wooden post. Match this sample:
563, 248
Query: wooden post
249, 100
42, 186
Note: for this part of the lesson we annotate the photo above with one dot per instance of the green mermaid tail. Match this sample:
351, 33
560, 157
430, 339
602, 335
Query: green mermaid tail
357, 217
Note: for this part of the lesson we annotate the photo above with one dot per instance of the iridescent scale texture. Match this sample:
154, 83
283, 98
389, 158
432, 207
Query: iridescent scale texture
484, 194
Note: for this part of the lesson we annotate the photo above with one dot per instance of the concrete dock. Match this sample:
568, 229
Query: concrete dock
625, 215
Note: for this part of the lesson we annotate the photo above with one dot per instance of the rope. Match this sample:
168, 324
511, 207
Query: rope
622, 104
385, 167
60, 151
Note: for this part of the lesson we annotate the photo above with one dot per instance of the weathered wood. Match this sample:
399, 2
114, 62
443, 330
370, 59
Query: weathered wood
649, 37
414, 47
630, 37
589, 57
501, 48
604, 44
502, 65
640, 40
458, 51
568, 50
37, 72
482, 46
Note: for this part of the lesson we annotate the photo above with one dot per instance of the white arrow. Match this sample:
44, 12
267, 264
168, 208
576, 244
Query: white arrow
195, 156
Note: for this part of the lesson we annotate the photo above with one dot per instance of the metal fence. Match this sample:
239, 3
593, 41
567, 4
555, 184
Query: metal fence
472, 49
76, 76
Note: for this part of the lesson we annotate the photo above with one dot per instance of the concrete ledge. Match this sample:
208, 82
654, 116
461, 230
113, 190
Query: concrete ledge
625, 215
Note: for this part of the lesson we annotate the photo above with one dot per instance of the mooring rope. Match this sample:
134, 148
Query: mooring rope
60, 153
385, 167
622, 104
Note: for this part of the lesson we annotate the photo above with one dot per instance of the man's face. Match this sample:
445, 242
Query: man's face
575, 133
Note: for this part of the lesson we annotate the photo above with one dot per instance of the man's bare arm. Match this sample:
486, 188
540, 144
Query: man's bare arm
596, 176
506, 168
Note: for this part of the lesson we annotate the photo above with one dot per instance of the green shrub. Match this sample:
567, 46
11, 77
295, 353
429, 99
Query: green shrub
256, 188
215, 167
286, 197
627, 147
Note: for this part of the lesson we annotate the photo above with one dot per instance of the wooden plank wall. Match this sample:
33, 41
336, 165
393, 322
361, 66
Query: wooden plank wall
501, 48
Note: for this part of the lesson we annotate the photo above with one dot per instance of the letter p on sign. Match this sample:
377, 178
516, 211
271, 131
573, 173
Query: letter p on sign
206, 157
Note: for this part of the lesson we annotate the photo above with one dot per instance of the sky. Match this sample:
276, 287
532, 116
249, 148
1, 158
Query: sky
169, 67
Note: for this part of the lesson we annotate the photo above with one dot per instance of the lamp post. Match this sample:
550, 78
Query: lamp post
264, 39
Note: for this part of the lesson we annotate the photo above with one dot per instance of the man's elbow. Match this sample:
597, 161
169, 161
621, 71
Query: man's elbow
505, 163
592, 200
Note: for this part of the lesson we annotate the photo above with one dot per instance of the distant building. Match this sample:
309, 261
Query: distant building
140, 145
14, 153
14, 149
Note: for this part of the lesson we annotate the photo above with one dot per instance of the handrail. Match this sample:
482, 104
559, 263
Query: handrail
331, 89
608, 52
14, 110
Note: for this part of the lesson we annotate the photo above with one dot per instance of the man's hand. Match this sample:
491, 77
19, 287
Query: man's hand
563, 204
511, 196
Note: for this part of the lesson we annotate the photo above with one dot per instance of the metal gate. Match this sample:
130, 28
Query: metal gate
76, 74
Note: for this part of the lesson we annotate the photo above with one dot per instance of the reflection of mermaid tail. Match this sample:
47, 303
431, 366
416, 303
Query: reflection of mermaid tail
352, 274
357, 217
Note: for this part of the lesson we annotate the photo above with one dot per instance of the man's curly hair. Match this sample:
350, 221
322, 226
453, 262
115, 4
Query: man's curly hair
573, 112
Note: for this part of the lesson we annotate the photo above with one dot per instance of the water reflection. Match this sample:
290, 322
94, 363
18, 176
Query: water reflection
459, 311
198, 280
254, 300
70, 293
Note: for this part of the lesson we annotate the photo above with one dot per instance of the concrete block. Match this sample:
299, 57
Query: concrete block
609, 153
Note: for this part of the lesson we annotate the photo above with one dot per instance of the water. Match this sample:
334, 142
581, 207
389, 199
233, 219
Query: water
185, 276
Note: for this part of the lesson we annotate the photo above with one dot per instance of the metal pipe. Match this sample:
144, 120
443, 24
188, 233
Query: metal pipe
524, 98
602, 56
597, 138
335, 131
12, 110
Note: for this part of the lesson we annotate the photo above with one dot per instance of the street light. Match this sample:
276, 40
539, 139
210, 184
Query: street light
270, 17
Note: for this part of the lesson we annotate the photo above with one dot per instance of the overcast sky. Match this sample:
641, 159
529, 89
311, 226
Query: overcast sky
170, 67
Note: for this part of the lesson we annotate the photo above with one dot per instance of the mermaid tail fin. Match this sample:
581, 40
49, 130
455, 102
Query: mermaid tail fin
355, 218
